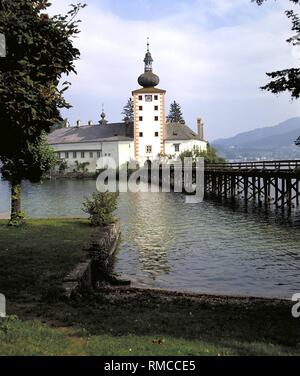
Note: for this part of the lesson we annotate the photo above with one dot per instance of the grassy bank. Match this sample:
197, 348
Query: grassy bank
33, 263
34, 259
34, 338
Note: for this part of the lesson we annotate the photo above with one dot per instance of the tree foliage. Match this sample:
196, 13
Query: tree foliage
62, 166
100, 208
175, 114
128, 111
82, 167
39, 51
210, 155
33, 162
286, 80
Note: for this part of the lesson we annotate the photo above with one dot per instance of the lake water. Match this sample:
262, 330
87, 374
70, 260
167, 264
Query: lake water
167, 243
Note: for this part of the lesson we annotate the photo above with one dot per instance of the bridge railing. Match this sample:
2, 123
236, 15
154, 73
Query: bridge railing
285, 165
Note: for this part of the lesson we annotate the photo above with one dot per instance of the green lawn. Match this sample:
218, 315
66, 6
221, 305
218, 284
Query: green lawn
34, 259
33, 263
33, 338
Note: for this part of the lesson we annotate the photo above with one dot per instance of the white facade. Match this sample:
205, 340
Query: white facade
175, 148
92, 153
149, 118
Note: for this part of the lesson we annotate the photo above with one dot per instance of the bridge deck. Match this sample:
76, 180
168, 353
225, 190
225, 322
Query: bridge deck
264, 181
262, 166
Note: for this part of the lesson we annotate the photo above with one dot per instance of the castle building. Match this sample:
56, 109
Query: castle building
148, 138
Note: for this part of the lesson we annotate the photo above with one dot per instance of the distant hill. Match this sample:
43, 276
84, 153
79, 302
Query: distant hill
275, 142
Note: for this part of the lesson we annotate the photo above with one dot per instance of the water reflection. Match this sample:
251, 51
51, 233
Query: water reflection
208, 247
149, 226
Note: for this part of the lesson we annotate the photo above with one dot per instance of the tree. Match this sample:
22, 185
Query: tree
286, 79
175, 114
39, 51
210, 155
128, 111
32, 163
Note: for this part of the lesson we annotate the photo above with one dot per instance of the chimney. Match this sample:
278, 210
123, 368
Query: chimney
90, 123
78, 124
66, 123
200, 126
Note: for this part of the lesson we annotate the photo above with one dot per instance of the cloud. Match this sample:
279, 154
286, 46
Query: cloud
211, 56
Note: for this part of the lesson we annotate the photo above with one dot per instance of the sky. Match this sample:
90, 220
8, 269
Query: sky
211, 57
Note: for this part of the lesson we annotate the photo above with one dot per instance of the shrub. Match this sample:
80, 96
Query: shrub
82, 167
100, 208
63, 166
210, 155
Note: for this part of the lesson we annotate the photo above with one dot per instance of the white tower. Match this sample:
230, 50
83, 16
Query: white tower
149, 115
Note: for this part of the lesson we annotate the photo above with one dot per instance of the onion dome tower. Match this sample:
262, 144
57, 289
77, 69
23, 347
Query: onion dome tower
148, 78
103, 120
149, 115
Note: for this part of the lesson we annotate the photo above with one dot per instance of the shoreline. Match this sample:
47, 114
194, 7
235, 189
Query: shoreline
209, 298
141, 286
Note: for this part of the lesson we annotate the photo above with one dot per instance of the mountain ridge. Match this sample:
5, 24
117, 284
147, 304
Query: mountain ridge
266, 142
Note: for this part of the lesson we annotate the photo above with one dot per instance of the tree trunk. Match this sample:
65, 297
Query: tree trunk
16, 216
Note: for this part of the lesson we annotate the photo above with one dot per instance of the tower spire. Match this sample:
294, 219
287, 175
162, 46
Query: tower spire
148, 78
148, 58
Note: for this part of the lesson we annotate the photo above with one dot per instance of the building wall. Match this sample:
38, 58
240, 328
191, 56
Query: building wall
126, 152
183, 146
146, 125
121, 152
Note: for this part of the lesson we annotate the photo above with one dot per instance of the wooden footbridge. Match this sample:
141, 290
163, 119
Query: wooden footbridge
265, 183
